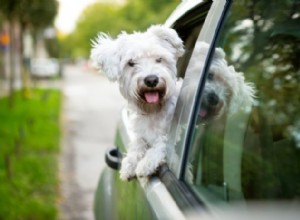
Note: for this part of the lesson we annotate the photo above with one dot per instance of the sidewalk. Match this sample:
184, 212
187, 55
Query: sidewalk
91, 109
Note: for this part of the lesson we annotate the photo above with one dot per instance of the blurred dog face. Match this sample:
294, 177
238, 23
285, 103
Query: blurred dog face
214, 98
144, 64
219, 90
225, 89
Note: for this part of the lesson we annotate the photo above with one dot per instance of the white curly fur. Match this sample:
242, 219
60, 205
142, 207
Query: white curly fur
130, 59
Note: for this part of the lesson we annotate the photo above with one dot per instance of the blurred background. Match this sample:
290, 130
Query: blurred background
54, 124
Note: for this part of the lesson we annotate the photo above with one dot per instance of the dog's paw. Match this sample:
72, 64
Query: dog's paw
150, 163
125, 176
146, 167
127, 171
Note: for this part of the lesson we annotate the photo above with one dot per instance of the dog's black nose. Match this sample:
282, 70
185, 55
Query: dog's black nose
212, 98
151, 81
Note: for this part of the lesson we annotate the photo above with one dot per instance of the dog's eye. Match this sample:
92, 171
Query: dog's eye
131, 63
210, 76
158, 60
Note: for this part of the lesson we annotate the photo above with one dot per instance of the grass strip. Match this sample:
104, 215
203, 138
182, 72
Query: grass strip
29, 147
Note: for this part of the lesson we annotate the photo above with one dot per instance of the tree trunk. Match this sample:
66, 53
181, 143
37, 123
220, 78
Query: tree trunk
11, 64
26, 48
14, 55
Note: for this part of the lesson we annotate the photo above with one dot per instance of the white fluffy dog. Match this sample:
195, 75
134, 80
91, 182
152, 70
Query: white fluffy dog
144, 64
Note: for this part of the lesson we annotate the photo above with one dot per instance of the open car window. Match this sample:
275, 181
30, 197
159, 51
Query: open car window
245, 144
189, 28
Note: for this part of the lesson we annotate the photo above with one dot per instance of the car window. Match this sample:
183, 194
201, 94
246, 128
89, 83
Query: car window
246, 141
191, 27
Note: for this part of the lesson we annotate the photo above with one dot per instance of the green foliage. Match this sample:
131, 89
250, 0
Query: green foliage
98, 16
53, 47
269, 38
112, 19
38, 13
29, 145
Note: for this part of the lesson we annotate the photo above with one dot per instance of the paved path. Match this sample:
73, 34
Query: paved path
91, 109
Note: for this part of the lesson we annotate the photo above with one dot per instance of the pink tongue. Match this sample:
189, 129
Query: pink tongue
152, 97
203, 112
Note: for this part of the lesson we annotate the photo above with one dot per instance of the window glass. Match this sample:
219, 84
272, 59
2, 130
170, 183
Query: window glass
188, 27
246, 142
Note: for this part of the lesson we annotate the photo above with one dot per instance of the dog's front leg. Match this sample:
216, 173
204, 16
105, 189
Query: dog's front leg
154, 157
136, 151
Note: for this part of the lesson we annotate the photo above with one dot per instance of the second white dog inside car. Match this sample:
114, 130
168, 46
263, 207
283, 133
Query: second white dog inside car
144, 65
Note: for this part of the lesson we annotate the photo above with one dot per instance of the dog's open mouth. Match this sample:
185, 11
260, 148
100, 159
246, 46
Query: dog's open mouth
208, 112
152, 96
203, 112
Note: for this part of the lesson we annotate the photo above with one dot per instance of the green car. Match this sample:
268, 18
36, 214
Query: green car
244, 165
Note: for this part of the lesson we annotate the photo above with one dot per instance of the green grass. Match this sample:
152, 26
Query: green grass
29, 147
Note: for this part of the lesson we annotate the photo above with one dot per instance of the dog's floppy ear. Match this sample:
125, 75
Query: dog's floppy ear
245, 94
105, 56
219, 53
202, 48
169, 39
219, 56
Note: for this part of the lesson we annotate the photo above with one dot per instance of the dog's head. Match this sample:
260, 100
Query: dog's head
144, 64
225, 89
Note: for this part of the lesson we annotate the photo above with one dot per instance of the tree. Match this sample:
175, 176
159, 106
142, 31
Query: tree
38, 13
96, 17
112, 19
20, 14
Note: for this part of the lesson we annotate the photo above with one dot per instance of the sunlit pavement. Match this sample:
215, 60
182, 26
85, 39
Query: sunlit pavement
91, 109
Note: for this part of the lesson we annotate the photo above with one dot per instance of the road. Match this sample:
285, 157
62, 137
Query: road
91, 109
